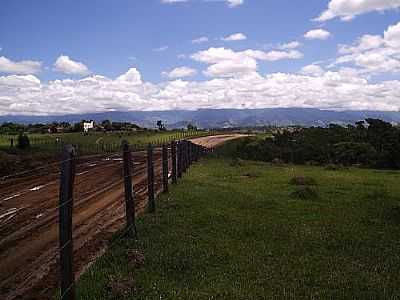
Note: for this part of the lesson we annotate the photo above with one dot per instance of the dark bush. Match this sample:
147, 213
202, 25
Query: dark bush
23, 141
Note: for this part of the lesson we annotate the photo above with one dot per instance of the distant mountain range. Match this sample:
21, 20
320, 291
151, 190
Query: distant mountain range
219, 118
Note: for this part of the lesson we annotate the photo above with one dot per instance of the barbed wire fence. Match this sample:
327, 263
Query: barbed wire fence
181, 154
158, 164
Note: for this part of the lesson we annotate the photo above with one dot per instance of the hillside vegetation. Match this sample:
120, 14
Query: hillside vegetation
373, 143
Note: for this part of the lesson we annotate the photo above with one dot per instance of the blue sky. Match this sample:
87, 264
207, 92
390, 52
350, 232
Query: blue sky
47, 44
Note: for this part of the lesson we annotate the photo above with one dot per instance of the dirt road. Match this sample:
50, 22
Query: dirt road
216, 140
29, 218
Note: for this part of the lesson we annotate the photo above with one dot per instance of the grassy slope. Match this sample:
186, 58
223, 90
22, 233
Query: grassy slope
235, 233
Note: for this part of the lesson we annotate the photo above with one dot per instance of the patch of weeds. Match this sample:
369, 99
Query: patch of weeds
377, 194
179, 266
380, 204
312, 163
304, 192
236, 162
392, 214
332, 167
252, 174
301, 180
135, 258
278, 162
120, 287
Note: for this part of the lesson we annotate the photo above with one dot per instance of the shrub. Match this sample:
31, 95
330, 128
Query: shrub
23, 141
236, 162
304, 193
278, 161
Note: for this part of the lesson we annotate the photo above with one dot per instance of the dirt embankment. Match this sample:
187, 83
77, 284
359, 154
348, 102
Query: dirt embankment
217, 140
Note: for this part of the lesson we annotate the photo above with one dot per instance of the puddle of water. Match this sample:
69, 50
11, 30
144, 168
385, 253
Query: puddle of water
92, 165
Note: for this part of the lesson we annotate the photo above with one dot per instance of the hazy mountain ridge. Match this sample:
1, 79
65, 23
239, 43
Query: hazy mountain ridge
213, 118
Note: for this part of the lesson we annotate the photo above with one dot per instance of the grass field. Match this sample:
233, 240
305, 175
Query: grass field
97, 141
245, 231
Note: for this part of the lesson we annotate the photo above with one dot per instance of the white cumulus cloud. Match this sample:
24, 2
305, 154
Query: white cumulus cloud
200, 40
290, 45
373, 54
313, 70
234, 3
348, 9
235, 37
317, 34
66, 65
19, 67
26, 94
228, 63
180, 72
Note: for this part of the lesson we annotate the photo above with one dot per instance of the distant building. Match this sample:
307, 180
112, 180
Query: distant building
87, 126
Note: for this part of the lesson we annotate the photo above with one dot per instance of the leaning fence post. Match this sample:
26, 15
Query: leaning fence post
150, 178
129, 196
165, 167
173, 157
65, 222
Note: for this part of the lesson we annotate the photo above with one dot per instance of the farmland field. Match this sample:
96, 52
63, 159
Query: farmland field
248, 230
98, 141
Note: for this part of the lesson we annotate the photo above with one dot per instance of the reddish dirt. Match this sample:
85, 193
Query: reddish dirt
29, 219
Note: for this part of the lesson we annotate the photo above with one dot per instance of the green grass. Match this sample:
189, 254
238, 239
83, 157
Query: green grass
229, 231
96, 142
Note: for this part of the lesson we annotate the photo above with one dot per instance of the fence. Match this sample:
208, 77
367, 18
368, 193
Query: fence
164, 164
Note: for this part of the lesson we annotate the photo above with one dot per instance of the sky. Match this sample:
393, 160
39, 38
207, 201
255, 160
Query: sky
74, 56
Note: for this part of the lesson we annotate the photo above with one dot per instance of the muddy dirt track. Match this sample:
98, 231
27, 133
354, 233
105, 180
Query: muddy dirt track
29, 217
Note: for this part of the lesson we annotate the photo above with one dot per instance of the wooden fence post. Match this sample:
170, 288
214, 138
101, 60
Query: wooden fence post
165, 167
179, 159
65, 222
183, 156
129, 196
150, 178
187, 161
174, 166
190, 153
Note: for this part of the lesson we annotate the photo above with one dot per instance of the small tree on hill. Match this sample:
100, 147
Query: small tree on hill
161, 126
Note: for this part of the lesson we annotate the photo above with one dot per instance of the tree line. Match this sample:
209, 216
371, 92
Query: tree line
372, 143
65, 127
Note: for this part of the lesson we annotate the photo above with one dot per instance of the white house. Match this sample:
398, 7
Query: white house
87, 126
